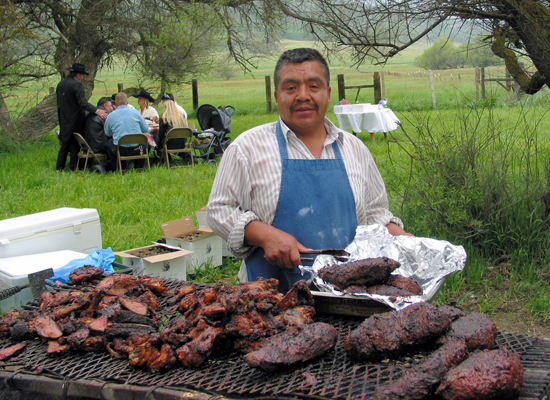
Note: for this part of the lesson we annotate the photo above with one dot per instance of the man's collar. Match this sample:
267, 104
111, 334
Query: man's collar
333, 132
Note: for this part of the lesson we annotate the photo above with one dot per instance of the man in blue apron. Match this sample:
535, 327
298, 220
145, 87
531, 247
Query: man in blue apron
298, 183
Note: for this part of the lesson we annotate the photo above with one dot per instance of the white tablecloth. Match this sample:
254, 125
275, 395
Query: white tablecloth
372, 120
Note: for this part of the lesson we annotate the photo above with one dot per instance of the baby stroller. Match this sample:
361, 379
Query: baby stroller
211, 141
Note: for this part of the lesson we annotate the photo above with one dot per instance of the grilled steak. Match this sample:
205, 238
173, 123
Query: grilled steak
477, 330
392, 333
487, 374
367, 272
295, 345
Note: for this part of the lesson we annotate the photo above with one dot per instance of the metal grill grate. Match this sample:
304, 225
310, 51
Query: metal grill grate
332, 376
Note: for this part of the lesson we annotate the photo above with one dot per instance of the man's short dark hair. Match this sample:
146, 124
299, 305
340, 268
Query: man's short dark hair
102, 101
298, 56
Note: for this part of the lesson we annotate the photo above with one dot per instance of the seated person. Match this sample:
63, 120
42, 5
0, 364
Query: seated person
171, 118
180, 108
93, 127
120, 122
147, 111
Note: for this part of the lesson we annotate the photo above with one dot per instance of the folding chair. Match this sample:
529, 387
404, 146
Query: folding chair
191, 126
178, 133
134, 139
86, 152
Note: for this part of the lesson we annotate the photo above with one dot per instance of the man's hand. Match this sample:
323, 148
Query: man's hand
396, 230
281, 249
156, 119
102, 113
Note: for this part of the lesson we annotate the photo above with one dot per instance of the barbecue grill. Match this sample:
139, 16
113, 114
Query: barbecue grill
333, 376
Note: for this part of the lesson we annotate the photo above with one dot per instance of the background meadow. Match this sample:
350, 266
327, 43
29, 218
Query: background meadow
470, 171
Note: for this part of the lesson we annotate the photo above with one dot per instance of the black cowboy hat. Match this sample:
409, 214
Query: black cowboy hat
145, 95
80, 68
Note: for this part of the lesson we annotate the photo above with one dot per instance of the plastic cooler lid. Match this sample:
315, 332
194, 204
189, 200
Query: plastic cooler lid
25, 265
46, 221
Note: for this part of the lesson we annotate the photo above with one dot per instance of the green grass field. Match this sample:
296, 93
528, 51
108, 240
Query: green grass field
499, 147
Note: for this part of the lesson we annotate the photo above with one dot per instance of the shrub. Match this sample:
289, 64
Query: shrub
477, 180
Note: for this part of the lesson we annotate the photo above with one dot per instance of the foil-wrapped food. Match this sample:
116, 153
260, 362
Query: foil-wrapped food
429, 261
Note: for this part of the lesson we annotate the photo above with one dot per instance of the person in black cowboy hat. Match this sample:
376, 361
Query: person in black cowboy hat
71, 111
147, 111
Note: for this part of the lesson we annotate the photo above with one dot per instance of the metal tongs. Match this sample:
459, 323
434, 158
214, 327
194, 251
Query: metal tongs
338, 254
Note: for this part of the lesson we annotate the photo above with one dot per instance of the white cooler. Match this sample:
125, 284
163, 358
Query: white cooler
14, 271
76, 229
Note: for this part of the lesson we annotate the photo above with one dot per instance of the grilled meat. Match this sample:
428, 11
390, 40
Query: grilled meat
487, 374
477, 330
383, 290
47, 328
410, 284
443, 359
295, 345
392, 333
453, 312
204, 337
421, 382
367, 272
55, 348
11, 351
85, 273
162, 359
413, 385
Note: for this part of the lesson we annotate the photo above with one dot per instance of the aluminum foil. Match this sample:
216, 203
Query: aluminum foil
429, 261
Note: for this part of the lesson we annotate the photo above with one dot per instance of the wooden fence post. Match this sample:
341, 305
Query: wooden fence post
433, 88
377, 91
476, 79
268, 93
483, 83
383, 81
120, 87
341, 88
195, 91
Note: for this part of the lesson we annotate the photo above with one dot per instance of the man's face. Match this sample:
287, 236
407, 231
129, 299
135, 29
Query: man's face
79, 76
302, 96
108, 107
141, 101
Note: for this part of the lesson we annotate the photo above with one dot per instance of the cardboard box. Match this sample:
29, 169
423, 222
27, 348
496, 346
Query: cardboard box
201, 220
157, 260
76, 229
204, 243
14, 271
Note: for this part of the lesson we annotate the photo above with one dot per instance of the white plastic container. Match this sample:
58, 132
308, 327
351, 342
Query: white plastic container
76, 229
14, 271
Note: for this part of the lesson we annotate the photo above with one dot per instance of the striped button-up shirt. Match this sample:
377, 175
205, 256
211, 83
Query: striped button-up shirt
248, 180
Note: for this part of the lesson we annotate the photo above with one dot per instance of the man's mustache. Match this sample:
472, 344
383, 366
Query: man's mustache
309, 105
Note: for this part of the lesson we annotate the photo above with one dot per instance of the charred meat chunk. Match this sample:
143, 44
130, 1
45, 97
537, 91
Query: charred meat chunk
293, 346
410, 284
395, 332
85, 273
367, 272
487, 374
413, 385
11, 351
477, 330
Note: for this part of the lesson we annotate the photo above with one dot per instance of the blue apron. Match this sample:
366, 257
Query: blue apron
316, 206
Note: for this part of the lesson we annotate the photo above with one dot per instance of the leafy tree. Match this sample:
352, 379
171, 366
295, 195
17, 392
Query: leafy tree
442, 55
479, 54
379, 29
165, 41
